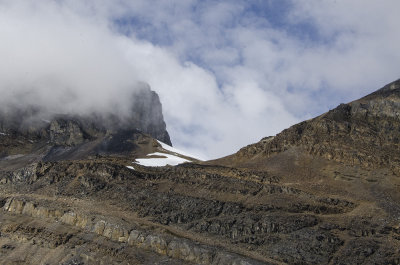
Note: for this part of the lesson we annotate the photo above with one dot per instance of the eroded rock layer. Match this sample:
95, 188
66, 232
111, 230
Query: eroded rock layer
199, 214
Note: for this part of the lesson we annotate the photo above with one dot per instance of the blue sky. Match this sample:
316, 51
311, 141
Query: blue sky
228, 72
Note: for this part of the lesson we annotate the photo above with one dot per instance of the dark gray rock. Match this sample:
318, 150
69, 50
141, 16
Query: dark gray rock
52, 136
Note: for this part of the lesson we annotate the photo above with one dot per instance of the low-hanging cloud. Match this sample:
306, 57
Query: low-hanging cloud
227, 72
57, 59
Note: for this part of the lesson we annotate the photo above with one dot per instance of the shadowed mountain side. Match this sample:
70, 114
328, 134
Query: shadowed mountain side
32, 134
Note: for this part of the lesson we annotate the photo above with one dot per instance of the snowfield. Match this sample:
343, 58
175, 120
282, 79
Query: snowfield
165, 159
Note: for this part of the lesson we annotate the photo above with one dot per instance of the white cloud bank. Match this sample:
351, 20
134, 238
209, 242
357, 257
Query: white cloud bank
226, 74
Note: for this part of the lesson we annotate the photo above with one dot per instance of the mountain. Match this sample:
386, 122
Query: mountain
324, 191
364, 132
350, 156
30, 134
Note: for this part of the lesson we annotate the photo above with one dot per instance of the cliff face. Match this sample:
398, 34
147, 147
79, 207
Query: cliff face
146, 111
364, 132
51, 136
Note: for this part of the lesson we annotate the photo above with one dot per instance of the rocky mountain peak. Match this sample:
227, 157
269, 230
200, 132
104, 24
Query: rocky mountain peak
146, 112
28, 129
364, 132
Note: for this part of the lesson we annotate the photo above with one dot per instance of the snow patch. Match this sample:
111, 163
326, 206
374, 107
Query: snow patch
11, 157
164, 160
176, 151
130, 167
1, 133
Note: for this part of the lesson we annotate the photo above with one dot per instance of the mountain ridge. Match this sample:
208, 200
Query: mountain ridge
369, 125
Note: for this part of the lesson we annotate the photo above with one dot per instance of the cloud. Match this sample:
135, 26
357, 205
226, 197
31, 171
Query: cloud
50, 54
228, 72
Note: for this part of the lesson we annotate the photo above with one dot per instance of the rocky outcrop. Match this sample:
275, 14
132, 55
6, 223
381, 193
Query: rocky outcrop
203, 214
146, 112
66, 132
122, 232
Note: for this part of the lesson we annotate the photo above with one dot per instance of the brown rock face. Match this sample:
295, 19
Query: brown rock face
363, 132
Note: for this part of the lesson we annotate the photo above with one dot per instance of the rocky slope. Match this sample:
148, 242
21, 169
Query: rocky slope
325, 191
364, 132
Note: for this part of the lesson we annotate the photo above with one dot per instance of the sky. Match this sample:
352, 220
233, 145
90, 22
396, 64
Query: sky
228, 73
